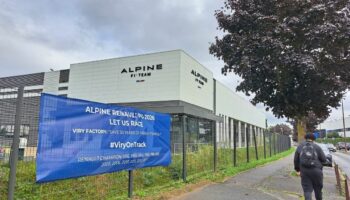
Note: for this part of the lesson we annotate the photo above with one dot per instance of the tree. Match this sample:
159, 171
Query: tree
282, 129
292, 56
311, 121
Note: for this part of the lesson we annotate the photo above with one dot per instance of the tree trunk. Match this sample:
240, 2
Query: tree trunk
301, 129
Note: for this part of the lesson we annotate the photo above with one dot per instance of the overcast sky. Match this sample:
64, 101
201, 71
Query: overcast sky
38, 35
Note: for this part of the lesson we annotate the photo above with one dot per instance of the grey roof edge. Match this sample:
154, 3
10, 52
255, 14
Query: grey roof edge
175, 107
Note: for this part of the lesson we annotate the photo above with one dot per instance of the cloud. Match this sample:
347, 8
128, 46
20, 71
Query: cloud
38, 35
337, 112
149, 26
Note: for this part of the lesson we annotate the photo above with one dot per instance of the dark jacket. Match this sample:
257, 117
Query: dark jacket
321, 158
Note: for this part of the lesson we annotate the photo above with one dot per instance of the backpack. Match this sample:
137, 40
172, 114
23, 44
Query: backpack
308, 156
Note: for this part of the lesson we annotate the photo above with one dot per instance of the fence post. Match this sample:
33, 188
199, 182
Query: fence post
264, 135
247, 142
215, 145
15, 144
278, 144
281, 149
235, 131
347, 193
337, 175
184, 172
270, 144
255, 145
274, 144
131, 181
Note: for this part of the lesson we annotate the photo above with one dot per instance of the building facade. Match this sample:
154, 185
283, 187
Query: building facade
335, 126
171, 82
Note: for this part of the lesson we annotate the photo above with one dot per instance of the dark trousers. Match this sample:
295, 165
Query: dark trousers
312, 180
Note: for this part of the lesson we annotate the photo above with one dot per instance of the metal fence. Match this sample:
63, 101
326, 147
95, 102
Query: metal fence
18, 139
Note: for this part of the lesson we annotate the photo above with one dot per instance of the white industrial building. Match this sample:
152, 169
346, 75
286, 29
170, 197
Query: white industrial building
169, 82
336, 126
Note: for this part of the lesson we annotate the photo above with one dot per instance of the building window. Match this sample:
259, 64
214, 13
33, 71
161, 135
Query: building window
176, 134
9, 129
198, 132
62, 88
64, 76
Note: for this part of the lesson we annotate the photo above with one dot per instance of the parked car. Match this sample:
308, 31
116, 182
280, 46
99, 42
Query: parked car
348, 146
328, 154
331, 147
340, 145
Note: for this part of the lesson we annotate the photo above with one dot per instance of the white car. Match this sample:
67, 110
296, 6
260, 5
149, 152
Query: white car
331, 147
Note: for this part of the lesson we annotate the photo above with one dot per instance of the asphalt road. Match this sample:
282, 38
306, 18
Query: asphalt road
343, 160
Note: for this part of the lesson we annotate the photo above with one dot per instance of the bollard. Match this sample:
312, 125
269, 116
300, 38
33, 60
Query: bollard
337, 175
347, 194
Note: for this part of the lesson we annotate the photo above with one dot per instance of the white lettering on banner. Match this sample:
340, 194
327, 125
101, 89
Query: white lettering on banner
97, 110
78, 130
96, 131
122, 145
119, 113
119, 158
120, 132
117, 122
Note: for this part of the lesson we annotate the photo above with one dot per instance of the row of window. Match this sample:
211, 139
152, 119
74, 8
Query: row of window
8, 130
339, 130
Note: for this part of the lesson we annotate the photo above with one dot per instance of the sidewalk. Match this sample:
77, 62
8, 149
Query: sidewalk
270, 182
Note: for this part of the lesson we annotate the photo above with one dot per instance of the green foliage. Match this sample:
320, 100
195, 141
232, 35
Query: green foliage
333, 141
293, 56
333, 135
176, 172
147, 181
281, 129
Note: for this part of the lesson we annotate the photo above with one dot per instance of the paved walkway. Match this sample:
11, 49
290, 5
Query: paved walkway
270, 182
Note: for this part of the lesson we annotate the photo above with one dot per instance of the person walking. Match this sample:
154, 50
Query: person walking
308, 159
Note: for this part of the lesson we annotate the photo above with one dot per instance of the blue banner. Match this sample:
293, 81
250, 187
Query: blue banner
81, 138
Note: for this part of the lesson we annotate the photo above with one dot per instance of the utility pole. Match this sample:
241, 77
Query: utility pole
342, 108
